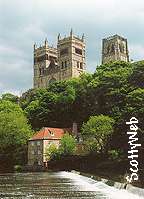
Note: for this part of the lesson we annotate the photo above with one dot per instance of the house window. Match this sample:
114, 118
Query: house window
39, 152
51, 133
32, 152
39, 163
32, 143
38, 143
51, 143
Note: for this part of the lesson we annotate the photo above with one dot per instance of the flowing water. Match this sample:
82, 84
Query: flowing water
60, 185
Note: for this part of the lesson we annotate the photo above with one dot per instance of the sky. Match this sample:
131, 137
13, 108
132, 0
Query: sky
24, 22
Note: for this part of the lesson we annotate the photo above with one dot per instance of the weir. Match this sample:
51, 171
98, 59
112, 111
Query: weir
60, 185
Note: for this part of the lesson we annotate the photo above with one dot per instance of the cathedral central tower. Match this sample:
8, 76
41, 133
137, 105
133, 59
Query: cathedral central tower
115, 48
71, 56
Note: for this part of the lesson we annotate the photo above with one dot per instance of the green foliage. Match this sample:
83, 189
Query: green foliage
14, 129
52, 152
67, 145
10, 97
115, 90
18, 168
137, 77
7, 106
96, 131
114, 154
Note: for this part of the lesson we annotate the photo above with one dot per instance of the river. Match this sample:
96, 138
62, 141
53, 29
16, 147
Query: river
60, 185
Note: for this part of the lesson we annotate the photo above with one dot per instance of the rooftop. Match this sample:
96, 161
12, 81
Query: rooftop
49, 133
114, 36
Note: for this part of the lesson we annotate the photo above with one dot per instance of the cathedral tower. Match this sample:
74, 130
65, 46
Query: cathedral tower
45, 65
115, 48
71, 56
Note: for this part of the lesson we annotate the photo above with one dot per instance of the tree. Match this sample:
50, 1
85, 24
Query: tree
137, 77
52, 152
10, 97
8, 106
14, 130
95, 132
67, 145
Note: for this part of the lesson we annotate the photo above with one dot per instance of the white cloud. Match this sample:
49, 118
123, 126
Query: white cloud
137, 52
4, 49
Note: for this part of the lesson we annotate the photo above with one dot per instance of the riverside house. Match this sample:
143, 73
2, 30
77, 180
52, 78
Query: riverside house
39, 143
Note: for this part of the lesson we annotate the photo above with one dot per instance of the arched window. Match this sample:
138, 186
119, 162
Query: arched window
112, 48
77, 64
62, 65
81, 65
121, 47
40, 71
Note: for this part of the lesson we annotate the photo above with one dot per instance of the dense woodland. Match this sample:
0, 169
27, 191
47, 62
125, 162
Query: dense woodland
100, 103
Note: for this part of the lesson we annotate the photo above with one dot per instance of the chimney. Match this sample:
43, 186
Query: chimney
75, 129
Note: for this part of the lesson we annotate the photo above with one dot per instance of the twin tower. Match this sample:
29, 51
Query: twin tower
68, 59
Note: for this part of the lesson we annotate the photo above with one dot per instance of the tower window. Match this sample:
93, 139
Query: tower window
121, 47
65, 63
77, 64
40, 71
112, 48
46, 56
81, 65
52, 58
42, 58
64, 51
62, 65
78, 51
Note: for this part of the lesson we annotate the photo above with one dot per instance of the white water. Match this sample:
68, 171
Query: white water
87, 184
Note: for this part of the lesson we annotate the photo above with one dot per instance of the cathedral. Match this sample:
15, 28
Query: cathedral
68, 59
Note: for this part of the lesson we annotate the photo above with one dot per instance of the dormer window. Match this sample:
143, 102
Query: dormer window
51, 133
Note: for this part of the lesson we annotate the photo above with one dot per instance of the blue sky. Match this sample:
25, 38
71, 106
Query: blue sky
23, 22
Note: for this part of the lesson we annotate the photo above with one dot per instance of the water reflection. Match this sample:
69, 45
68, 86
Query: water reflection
61, 185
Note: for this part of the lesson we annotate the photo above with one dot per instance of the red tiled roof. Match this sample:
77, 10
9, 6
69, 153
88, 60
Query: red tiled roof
49, 133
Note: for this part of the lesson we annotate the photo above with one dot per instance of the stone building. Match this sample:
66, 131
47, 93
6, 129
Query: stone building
61, 63
114, 48
39, 143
